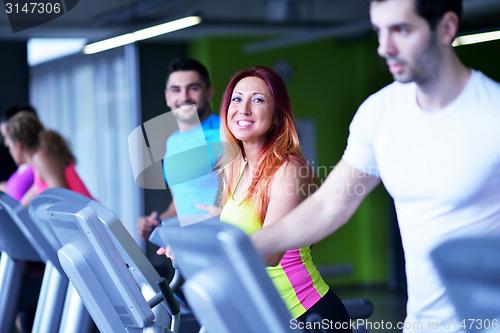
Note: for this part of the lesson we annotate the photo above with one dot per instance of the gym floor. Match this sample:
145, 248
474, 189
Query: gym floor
389, 306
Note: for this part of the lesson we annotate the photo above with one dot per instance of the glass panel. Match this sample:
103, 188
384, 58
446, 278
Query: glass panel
91, 101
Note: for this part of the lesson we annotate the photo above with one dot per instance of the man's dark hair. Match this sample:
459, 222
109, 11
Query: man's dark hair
185, 64
433, 10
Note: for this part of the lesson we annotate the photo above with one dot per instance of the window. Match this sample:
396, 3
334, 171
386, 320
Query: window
92, 100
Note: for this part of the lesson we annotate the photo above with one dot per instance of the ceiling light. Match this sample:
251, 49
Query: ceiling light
142, 34
476, 38
46, 49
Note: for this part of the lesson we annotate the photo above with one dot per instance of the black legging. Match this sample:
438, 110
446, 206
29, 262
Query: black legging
327, 315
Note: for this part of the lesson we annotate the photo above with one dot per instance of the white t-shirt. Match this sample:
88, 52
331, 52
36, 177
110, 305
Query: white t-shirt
443, 170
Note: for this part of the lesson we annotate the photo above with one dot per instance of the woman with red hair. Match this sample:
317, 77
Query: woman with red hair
264, 178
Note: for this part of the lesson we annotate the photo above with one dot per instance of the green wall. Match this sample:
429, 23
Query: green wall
329, 81
484, 57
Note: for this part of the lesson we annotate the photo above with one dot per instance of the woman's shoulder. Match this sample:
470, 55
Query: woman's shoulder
41, 155
44, 158
292, 175
294, 169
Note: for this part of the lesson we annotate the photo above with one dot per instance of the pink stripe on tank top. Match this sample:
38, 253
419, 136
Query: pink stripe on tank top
299, 277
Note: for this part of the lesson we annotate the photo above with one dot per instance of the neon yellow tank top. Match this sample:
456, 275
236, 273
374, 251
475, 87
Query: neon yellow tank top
296, 277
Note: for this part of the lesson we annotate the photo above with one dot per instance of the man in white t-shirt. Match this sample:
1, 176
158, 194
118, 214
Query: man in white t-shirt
432, 137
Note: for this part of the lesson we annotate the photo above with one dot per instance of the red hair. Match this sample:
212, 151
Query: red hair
280, 146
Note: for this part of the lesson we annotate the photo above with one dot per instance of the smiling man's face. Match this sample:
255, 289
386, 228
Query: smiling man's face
186, 88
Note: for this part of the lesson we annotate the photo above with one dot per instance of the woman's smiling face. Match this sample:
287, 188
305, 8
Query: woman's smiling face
251, 112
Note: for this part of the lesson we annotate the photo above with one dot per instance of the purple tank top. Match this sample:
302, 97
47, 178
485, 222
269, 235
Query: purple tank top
20, 181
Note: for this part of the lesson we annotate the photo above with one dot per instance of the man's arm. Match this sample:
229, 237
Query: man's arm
146, 224
329, 208
170, 212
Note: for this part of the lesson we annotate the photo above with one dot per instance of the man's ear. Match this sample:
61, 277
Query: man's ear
447, 28
166, 99
210, 94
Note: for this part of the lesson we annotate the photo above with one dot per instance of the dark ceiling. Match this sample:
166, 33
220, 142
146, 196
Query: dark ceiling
299, 20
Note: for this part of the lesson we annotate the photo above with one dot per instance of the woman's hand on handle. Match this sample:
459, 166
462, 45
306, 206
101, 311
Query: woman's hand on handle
167, 252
